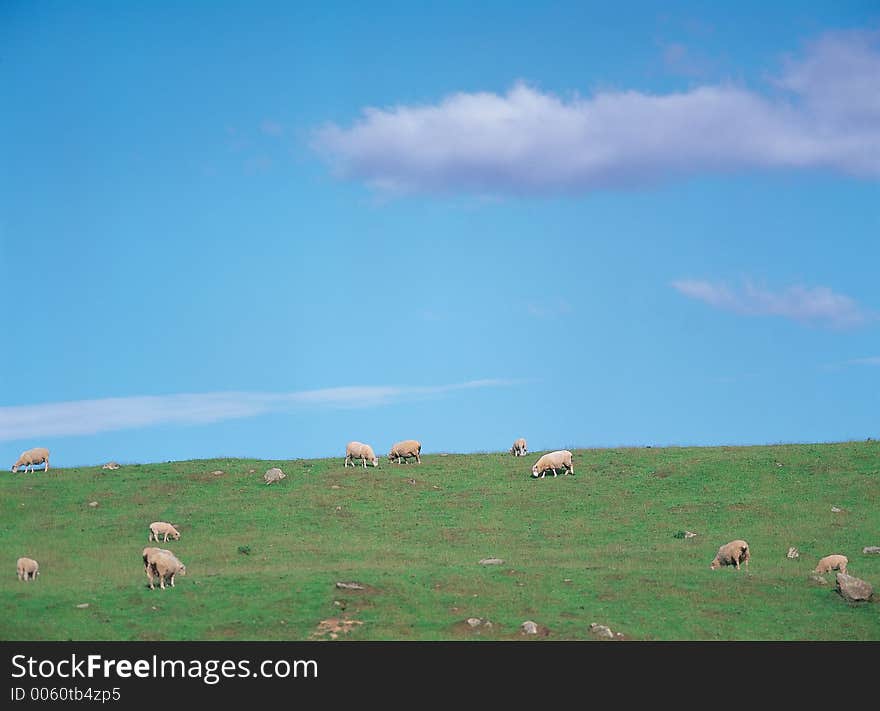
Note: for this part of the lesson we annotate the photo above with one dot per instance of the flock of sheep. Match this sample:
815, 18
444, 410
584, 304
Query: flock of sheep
162, 563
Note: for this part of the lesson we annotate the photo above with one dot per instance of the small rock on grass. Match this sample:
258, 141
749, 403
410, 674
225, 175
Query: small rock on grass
492, 561
349, 586
853, 589
871, 549
529, 627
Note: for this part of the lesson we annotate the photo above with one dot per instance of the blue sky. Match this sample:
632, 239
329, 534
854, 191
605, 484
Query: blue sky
265, 230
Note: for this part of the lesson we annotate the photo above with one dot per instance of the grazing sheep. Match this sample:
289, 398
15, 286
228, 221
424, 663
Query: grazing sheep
519, 448
162, 562
359, 450
27, 569
31, 458
111, 466
159, 528
273, 475
832, 562
732, 553
148, 555
404, 450
553, 461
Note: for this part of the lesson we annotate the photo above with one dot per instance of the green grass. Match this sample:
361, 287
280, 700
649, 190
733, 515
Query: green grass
263, 561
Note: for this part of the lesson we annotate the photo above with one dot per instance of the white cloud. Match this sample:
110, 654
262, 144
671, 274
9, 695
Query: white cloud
818, 305
823, 112
85, 417
873, 360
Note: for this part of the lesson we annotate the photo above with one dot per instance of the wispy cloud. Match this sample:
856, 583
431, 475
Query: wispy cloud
85, 417
271, 128
821, 111
872, 360
553, 310
817, 305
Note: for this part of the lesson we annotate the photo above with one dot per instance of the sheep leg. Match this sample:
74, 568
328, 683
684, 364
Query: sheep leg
172, 580
554, 472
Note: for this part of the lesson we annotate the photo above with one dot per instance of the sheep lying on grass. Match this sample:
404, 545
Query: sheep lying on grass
832, 562
561, 459
359, 450
732, 553
27, 569
404, 450
519, 448
160, 528
31, 458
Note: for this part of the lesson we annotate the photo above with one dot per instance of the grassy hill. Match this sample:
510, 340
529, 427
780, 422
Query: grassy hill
600, 546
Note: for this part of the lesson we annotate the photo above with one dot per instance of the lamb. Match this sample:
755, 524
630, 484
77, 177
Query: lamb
832, 562
161, 562
158, 528
732, 553
27, 569
519, 448
31, 458
359, 450
404, 450
273, 475
553, 461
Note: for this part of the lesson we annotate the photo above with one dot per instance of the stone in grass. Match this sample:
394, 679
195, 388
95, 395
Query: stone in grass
478, 622
529, 627
793, 553
492, 561
350, 586
853, 589
818, 579
83, 605
93, 504
871, 549
834, 509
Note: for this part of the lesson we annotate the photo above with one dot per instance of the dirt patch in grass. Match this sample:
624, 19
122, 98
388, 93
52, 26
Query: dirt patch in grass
333, 627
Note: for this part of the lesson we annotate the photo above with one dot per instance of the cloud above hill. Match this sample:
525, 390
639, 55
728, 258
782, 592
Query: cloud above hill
86, 417
821, 111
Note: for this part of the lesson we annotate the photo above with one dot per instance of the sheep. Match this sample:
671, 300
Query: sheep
273, 475
32, 457
162, 562
158, 528
832, 562
359, 450
27, 569
148, 554
732, 553
519, 448
553, 461
404, 450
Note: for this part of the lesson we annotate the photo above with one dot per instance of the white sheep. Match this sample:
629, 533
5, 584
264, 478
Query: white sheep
359, 450
159, 528
552, 461
832, 562
519, 448
31, 458
272, 475
162, 562
148, 554
732, 553
404, 450
27, 569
